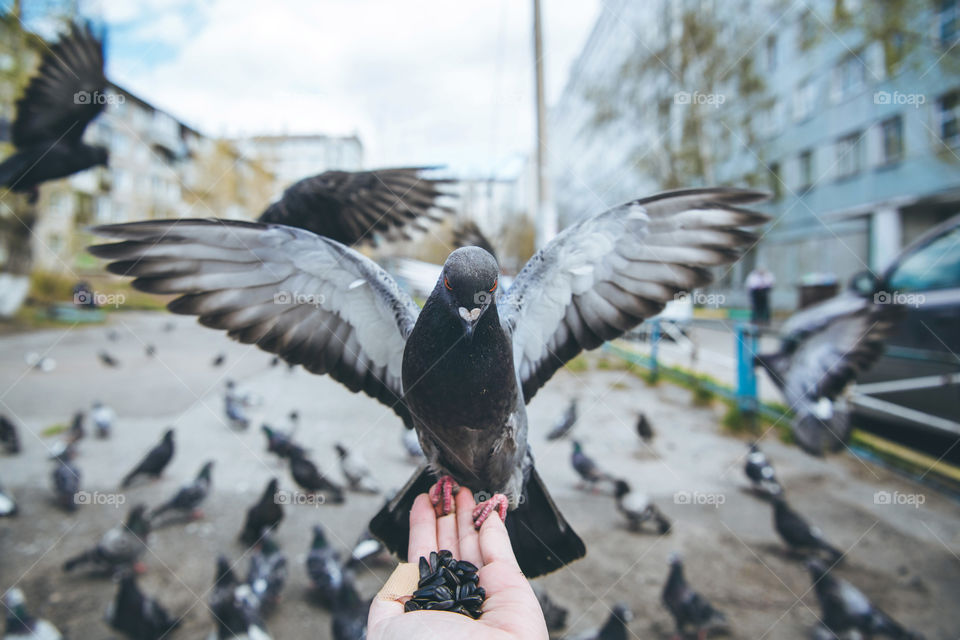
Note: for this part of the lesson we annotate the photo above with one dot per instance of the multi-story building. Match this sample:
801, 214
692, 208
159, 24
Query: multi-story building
294, 157
846, 111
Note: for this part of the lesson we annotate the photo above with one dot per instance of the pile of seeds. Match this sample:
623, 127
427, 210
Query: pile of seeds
447, 584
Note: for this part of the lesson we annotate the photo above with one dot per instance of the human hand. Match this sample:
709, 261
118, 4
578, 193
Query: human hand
510, 611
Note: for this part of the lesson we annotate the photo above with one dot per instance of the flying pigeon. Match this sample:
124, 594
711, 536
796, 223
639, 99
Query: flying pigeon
461, 370
66, 480
102, 417
826, 347
9, 436
760, 471
350, 207
356, 471
637, 508
8, 506
365, 550
349, 612
23, 626
324, 568
798, 533
845, 608
615, 628
233, 406
554, 615
108, 360
267, 574
189, 497
63, 97
281, 443
690, 610
309, 478
645, 429
263, 516
586, 468
235, 610
138, 616
155, 461
119, 547
566, 422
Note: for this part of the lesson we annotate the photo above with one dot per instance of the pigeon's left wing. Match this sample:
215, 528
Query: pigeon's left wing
306, 298
65, 94
604, 275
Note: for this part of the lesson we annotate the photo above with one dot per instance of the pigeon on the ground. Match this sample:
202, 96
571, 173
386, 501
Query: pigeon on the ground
615, 628
234, 608
108, 360
365, 550
155, 461
102, 417
353, 207
281, 443
349, 612
461, 370
309, 478
234, 407
826, 347
411, 444
324, 568
219, 359
8, 506
356, 471
586, 468
120, 547
113, 335
264, 516
189, 497
150, 350
566, 422
845, 608
66, 447
798, 533
638, 508
66, 480
9, 435
63, 97
554, 615
267, 574
23, 626
690, 610
645, 429
760, 471
136, 615
43, 363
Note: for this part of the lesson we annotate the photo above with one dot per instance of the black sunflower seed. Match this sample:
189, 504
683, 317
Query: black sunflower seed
433, 561
410, 605
424, 569
447, 584
438, 605
467, 567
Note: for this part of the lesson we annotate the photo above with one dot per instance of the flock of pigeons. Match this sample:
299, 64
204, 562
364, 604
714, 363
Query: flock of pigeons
460, 371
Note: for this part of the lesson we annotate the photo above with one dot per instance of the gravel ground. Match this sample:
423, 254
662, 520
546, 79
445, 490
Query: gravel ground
905, 557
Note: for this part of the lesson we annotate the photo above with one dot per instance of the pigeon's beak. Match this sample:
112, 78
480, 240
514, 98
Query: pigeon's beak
469, 319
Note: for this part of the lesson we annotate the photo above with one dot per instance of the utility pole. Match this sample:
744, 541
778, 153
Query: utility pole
546, 221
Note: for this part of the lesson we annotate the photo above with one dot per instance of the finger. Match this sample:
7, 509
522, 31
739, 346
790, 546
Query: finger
380, 610
447, 532
423, 529
495, 542
469, 540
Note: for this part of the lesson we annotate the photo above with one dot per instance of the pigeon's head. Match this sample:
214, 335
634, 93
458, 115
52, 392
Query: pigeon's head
576, 446
816, 567
622, 612
206, 469
137, 521
224, 571
675, 559
168, 436
272, 487
468, 285
319, 537
341, 450
754, 448
230, 384
621, 488
14, 598
294, 416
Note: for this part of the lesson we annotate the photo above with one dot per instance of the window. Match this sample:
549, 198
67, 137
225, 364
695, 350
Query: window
805, 162
948, 22
771, 50
776, 182
806, 30
935, 266
804, 99
848, 76
948, 111
891, 131
848, 155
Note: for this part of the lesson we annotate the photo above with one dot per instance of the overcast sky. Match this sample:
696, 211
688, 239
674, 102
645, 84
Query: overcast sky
421, 81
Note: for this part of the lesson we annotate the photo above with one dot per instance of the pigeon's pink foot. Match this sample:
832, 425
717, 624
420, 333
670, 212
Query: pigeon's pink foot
497, 503
196, 514
441, 495
139, 568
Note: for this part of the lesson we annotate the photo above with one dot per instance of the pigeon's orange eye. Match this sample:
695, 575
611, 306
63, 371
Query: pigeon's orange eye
446, 283
495, 283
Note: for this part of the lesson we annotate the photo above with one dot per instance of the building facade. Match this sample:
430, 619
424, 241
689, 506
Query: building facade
294, 157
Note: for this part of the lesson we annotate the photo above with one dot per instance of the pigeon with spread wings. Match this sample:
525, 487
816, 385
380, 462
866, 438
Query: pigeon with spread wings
462, 369
64, 96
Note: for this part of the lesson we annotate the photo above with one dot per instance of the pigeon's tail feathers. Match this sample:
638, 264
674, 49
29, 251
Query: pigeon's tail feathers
882, 624
391, 525
542, 539
128, 479
79, 559
166, 506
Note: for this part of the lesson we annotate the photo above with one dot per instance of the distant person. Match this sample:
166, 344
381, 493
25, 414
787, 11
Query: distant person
759, 283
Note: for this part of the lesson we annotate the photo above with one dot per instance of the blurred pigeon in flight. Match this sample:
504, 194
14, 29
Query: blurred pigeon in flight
461, 370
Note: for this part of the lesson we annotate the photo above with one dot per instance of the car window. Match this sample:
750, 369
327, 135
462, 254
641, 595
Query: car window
935, 266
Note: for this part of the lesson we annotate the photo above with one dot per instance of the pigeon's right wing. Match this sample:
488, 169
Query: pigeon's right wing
65, 94
306, 298
350, 207
604, 275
